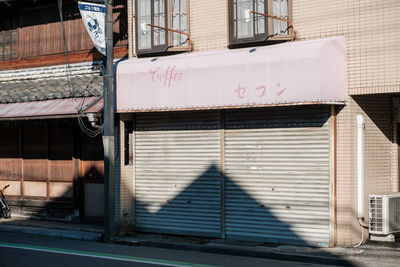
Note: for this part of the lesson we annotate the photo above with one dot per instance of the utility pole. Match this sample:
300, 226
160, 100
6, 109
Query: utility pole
108, 136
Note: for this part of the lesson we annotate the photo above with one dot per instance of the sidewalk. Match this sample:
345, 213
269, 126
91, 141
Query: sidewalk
370, 254
60, 229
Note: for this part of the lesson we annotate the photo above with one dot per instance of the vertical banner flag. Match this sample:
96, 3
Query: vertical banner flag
93, 16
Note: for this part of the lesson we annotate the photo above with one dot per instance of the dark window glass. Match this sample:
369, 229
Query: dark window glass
152, 39
246, 26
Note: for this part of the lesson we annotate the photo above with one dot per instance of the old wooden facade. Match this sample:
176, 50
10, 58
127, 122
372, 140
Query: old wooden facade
53, 168
48, 164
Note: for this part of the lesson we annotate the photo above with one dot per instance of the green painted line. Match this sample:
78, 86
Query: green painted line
102, 255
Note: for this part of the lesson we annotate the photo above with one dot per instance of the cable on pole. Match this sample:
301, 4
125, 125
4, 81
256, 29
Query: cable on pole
78, 105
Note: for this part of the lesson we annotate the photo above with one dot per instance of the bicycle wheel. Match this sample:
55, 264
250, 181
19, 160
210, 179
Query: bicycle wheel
6, 212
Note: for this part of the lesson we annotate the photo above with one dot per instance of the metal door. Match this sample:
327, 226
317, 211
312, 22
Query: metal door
177, 177
277, 175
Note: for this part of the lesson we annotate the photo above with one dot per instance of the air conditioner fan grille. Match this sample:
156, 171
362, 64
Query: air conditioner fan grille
376, 223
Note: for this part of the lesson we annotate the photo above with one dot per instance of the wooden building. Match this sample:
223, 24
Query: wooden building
54, 169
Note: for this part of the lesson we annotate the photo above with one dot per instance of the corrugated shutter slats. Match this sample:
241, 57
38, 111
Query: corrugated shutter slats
276, 174
277, 170
178, 181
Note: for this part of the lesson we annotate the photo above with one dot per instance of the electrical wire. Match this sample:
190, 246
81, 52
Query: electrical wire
87, 131
78, 105
363, 225
362, 239
67, 65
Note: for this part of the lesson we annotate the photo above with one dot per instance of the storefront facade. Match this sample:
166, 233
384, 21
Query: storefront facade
211, 157
372, 82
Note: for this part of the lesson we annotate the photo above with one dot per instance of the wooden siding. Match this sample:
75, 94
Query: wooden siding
41, 31
8, 36
41, 158
56, 59
37, 33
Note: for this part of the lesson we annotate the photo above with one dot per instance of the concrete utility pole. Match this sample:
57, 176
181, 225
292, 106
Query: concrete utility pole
108, 136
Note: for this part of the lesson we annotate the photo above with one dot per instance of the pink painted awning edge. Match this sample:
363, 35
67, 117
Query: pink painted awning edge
55, 108
330, 85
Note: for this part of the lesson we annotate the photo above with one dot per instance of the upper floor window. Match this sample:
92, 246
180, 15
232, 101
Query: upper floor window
247, 24
155, 19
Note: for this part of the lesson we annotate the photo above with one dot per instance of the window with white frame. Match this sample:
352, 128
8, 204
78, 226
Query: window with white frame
154, 21
248, 22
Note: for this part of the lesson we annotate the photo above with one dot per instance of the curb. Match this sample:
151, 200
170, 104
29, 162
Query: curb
70, 234
243, 251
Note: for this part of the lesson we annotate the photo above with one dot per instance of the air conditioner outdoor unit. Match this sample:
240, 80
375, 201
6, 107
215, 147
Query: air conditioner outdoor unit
384, 214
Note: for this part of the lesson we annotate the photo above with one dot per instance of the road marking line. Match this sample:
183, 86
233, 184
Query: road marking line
102, 255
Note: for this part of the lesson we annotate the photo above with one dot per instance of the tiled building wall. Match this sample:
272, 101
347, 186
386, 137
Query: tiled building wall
209, 24
370, 28
378, 148
131, 29
123, 179
373, 60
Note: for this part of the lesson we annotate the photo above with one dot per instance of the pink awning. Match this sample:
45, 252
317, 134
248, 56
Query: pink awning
49, 108
303, 72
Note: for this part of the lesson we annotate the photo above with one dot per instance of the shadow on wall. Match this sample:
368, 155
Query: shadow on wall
379, 109
282, 198
53, 170
196, 210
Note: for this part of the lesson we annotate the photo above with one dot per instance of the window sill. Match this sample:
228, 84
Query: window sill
249, 43
162, 52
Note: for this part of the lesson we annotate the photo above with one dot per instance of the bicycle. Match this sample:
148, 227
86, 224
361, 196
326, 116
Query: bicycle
5, 210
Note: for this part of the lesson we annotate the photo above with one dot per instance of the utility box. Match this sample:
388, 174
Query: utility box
384, 216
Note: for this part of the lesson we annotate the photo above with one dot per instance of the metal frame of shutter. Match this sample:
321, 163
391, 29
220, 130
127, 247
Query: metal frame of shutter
277, 175
177, 173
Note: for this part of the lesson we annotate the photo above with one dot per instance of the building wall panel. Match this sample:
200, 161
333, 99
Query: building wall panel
13, 190
10, 169
378, 148
61, 190
372, 68
208, 24
124, 189
94, 200
372, 43
35, 189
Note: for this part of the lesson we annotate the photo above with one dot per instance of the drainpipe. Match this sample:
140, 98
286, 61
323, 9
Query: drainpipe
360, 175
360, 166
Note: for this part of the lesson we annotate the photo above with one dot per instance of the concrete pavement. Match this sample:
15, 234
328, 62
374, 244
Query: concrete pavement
60, 229
370, 254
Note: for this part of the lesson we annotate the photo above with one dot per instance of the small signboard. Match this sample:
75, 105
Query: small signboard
93, 16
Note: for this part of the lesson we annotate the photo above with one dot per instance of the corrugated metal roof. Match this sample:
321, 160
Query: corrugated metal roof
49, 108
46, 83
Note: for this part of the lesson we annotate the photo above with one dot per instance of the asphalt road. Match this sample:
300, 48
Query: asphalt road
26, 250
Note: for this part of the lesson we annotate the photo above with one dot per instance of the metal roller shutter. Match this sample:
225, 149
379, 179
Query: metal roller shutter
177, 178
277, 175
